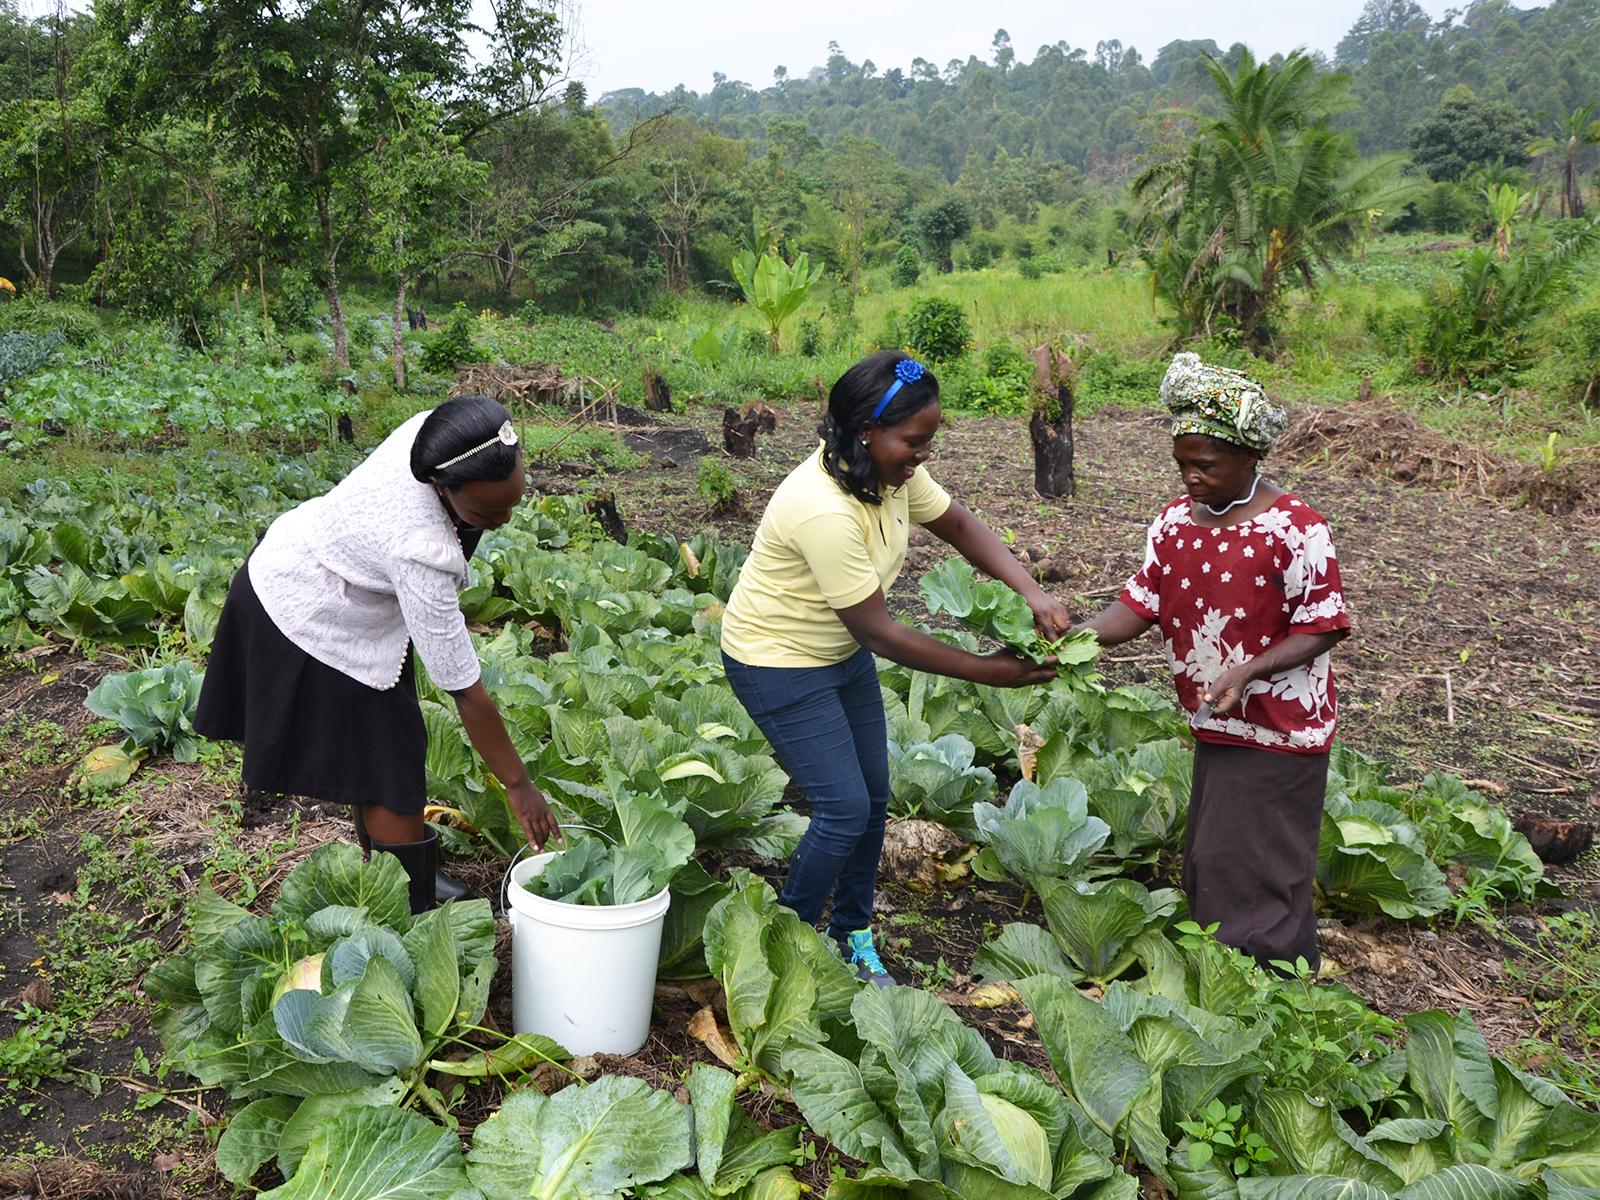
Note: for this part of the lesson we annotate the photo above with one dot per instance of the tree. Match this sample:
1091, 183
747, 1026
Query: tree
1574, 131
774, 288
303, 93
51, 143
940, 225
688, 174
1466, 130
1380, 17
1264, 195
415, 183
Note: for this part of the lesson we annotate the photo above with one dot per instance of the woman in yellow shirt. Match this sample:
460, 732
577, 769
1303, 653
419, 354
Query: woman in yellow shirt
808, 614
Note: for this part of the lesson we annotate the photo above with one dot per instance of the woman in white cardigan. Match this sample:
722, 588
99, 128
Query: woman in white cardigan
311, 669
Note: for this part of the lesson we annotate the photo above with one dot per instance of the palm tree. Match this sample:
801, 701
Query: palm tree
1505, 202
1574, 131
1265, 194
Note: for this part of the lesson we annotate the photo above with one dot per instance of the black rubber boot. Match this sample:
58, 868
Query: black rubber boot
446, 888
421, 861
358, 818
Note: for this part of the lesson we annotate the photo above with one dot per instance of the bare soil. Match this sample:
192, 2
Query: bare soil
1477, 650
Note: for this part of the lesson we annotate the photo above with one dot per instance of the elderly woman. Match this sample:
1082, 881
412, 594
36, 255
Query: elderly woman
1241, 577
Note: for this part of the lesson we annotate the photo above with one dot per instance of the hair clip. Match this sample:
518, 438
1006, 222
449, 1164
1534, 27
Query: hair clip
907, 370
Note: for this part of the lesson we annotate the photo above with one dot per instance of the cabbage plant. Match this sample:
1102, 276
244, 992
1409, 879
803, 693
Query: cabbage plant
937, 782
336, 1000
931, 1110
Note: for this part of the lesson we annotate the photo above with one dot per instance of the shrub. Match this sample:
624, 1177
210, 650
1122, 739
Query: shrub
907, 268
1478, 320
1108, 378
452, 345
936, 329
809, 337
982, 250
1002, 384
1030, 268
755, 341
717, 485
295, 304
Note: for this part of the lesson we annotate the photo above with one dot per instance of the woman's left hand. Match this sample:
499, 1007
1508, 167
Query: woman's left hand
1229, 688
1051, 617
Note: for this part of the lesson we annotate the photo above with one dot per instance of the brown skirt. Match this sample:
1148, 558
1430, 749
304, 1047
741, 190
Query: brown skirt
1250, 850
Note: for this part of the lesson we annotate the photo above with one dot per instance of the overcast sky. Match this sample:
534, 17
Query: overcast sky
657, 44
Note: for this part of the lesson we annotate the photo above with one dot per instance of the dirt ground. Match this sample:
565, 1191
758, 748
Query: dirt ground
1477, 650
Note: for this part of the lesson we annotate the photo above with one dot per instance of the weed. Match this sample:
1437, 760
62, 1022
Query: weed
1219, 1131
717, 485
932, 977
1559, 971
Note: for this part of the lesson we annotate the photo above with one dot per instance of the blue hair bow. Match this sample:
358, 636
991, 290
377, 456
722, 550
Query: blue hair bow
907, 370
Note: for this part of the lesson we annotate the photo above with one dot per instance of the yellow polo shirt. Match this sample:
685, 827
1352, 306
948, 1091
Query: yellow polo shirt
818, 549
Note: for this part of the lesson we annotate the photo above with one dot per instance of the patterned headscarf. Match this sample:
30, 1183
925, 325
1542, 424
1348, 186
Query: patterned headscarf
1222, 403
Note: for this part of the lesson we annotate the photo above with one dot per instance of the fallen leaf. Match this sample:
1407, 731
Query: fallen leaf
704, 1028
166, 1162
706, 992
1028, 744
993, 995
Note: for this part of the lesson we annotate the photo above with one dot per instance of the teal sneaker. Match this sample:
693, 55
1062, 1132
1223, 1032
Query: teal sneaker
861, 954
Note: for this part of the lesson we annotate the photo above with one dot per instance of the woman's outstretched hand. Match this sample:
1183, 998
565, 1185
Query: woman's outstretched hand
1051, 617
1012, 670
533, 814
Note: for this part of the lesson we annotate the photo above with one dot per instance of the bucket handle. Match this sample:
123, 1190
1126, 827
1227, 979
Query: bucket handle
505, 881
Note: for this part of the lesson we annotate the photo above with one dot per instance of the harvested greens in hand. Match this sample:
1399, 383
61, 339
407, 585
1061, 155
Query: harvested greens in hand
991, 609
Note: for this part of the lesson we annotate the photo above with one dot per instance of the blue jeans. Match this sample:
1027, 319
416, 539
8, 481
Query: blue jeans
828, 730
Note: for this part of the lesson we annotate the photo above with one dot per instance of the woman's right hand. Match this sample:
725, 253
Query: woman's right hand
1010, 670
533, 814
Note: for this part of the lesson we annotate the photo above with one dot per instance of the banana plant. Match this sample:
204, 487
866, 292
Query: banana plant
775, 288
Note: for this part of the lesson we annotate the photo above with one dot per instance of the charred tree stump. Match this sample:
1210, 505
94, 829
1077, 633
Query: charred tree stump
739, 429
1050, 427
657, 396
1553, 840
603, 508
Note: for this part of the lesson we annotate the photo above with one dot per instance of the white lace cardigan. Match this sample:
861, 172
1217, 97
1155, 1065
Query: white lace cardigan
351, 576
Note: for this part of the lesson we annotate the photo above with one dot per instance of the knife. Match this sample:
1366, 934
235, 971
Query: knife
1201, 716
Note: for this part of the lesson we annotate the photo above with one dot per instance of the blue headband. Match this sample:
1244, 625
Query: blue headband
907, 370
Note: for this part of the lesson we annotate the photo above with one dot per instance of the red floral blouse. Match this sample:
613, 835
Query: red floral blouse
1221, 596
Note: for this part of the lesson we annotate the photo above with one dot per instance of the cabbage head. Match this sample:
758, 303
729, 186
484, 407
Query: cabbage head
1023, 1138
305, 975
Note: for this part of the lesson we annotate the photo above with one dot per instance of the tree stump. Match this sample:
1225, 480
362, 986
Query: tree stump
1050, 427
739, 429
1554, 841
603, 508
657, 396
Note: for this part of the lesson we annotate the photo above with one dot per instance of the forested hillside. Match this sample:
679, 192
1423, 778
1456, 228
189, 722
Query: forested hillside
162, 161
1087, 106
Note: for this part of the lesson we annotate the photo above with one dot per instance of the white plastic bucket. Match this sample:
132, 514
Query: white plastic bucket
583, 974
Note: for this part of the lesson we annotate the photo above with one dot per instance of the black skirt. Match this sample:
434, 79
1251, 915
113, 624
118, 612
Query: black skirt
307, 728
